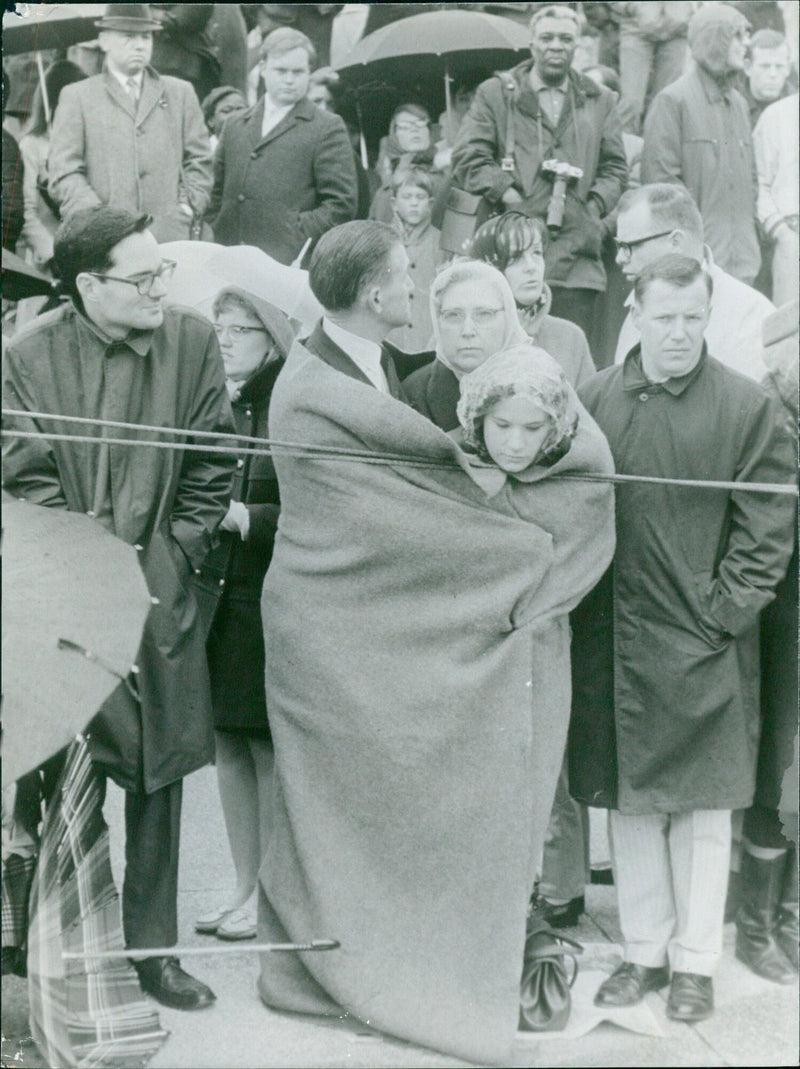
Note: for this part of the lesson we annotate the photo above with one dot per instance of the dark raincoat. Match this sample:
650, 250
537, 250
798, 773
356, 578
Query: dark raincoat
666, 690
167, 501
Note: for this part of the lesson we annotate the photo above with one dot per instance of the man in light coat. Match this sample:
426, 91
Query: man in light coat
693, 569
556, 114
697, 133
113, 353
130, 137
662, 218
775, 138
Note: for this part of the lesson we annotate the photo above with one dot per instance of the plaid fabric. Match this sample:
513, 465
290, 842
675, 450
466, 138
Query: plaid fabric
83, 1013
17, 878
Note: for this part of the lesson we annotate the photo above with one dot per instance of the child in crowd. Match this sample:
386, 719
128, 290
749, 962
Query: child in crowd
412, 197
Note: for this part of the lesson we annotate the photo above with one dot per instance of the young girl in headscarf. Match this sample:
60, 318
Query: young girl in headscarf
517, 411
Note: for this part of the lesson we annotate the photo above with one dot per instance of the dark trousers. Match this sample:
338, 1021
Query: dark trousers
580, 307
150, 888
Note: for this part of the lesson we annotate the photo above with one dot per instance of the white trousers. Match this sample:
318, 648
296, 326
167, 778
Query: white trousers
671, 875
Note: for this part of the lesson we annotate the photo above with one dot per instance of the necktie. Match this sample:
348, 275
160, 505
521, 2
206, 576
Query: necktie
132, 89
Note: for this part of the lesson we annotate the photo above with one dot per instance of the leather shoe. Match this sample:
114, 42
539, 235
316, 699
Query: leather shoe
629, 983
165, 980
563, 915
691, 997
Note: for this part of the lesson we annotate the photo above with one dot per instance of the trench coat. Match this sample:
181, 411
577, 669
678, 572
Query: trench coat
665, 711
166, 501
146, 158
698, 134
588, 135
277, 191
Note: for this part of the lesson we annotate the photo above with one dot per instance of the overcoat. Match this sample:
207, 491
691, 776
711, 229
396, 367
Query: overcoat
277, 191
230, 581
145, 158
671, 665
169, 502
697, 133
588, 135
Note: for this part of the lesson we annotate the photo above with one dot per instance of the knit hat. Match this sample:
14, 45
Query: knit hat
521, 370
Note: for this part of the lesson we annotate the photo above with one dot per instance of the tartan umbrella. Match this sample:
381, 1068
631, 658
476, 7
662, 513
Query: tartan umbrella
83, 1013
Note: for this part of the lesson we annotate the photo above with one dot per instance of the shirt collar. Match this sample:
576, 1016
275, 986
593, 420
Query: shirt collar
123, 79
538, 85
365, 354
138, 340
634, 378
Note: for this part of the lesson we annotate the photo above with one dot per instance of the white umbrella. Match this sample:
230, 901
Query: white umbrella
204, 268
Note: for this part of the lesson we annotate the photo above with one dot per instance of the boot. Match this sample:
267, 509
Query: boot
757, 918
786, 934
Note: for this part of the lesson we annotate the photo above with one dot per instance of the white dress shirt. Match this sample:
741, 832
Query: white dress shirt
733, 334
124, 79
273, 114
365, 354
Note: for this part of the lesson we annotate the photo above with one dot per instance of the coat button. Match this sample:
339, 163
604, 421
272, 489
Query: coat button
90, 514
197, 571
240, 198
643, 396
222, 582
239, 463
253, 155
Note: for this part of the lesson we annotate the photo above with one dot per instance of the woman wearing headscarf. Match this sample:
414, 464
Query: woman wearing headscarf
254, 338
474, 315
515, 244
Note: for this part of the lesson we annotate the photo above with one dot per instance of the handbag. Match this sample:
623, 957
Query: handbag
465, 212
545, 1000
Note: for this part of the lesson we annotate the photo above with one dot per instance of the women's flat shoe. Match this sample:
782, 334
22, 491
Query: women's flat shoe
208, 924
239, 924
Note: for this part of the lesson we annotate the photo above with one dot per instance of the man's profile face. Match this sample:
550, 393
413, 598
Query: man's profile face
637, 228
128, 52
671, 321
286, 76
395, 288
117, 305
767, 71
553, 45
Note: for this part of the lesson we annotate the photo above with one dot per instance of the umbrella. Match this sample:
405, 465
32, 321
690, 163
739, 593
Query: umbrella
39, 27
82, 1013
74, 606
440, 45
22, 280
205, 268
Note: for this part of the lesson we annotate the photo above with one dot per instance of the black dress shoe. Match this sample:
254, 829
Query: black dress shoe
691, 997
564, 915
603, 876
629, 983
165, 980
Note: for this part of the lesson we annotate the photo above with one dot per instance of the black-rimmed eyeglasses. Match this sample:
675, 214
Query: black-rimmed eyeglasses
625, 248
144, 283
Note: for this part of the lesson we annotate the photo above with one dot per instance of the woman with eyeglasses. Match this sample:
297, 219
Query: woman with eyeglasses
515, 244
408, 145
254, 339
474, 315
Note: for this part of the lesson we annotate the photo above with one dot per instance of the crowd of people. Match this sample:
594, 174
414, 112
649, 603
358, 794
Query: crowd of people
419, 640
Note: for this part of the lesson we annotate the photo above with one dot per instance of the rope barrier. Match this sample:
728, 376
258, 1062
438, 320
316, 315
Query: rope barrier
268, 446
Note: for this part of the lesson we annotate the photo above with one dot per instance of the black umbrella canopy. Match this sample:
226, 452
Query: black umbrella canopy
36, 27
20, 279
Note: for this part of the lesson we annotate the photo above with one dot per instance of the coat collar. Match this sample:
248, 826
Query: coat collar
138, 340
579, 87
303, 111
634, 378
152, 93
327, 350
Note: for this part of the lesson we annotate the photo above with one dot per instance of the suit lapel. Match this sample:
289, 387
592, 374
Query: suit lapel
330, 353
118, 94
390, 371
152, 94
287, 122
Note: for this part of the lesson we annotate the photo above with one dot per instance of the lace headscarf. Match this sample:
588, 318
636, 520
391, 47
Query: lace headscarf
521, 370
492, 279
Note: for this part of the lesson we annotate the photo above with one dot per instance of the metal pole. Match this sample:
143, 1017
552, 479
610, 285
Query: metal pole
186, 952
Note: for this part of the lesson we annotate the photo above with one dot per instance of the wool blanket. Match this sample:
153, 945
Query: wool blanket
403, 669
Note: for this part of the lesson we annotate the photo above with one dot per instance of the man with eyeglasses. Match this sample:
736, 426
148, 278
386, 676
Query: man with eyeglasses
697, 134
112, 352
662, 218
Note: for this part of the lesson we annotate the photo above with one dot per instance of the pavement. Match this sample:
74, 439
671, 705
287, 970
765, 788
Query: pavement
755, 1023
